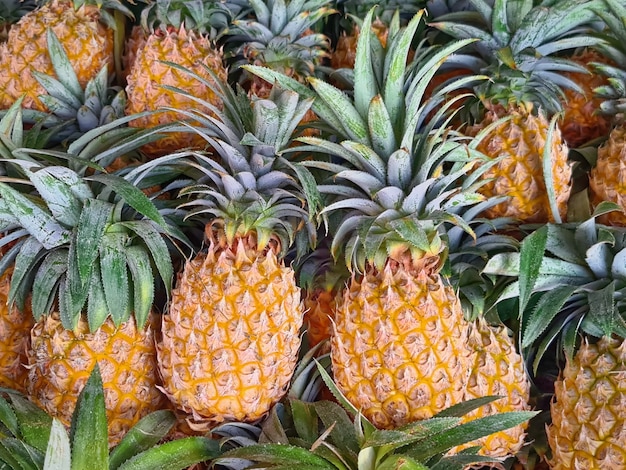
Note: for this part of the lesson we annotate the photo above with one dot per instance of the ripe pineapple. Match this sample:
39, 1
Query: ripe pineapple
85, 30
577, 302
516, 50
607, 179
90, 253
399, 348
230, 340
174, 34
15, 329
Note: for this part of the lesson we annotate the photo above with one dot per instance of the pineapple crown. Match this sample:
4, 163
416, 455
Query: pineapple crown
281, 34
72, 110
11, 11
251, 188
211, 17
517, 47
570, 280
391, 152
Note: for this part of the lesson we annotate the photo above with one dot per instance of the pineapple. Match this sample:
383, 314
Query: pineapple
85, 30
90, 252
231, 337
174, 33
574, 297
516, 50
607, 178
399, 347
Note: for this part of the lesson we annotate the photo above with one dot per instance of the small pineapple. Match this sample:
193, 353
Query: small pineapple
231, 338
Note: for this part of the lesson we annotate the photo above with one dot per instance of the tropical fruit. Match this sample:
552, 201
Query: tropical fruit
231, 338
85, 30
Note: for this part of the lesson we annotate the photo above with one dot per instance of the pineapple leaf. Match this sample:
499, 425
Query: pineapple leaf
97, 310
58, 452
466, 432
34, 423
364, 86
64, 206
18, 455
414, 432
142, 281
77, 290
89, 431
90, 230
305, 420
157, 248
174, 455
27, 258
275, 455
132, 196
603, 311
47, 278
400, 462
33, 218
342, 433
531, 255
465, 407
63, 67
113, 266
142, 436
463, 461
546, 309
8, 418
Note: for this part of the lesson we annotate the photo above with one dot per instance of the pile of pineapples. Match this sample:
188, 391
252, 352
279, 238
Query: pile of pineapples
313, 234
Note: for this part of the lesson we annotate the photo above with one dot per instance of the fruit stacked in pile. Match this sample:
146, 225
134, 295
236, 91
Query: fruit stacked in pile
220, 204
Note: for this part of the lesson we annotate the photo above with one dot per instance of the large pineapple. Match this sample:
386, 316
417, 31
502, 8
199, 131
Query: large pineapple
517, 42
174, 33
575, 297
90, 254
399, 346
85, 30
231, 337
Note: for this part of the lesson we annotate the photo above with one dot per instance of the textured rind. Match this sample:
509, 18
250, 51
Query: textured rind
581, 120
589, 409
61, 361
320, 308
14, 339
230, 341
521, 141
148, 74
87, 42
607, 180
399, 350
498, 369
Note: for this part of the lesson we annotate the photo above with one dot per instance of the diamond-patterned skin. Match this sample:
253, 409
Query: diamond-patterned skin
61, 362
399, 351
589, 409
230, 341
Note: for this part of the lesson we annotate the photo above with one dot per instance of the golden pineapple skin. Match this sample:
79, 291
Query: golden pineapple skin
589, 409
320, 305
15, 329
399, 350
147, 74
521, 141
230, 342
87, 42
581, 120
498, 369
607, 180
61, 361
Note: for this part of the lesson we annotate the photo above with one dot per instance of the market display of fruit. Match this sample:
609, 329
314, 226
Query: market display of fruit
312, 234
